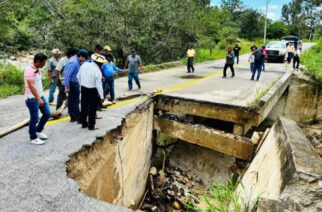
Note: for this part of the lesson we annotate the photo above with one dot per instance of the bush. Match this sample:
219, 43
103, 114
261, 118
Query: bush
12, 82
312, 59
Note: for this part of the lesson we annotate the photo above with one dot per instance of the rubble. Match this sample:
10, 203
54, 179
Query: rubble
170, 190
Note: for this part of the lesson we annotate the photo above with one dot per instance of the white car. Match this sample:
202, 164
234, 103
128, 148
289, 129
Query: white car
276, 50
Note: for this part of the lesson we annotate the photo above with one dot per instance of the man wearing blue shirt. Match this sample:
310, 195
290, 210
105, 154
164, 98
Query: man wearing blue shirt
109, 70
72, 85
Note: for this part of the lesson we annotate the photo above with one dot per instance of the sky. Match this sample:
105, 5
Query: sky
274, 8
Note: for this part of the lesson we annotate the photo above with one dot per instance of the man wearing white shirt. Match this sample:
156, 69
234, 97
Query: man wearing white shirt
90, 80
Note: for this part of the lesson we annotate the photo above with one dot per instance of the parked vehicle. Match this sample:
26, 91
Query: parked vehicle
291, 39
276, 51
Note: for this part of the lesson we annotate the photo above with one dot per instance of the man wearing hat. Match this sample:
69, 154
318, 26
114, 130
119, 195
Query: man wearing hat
107, 50
72, 84
134, 64
90, 80
52, 63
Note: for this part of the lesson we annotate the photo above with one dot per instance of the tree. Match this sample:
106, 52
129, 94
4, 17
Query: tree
276, 30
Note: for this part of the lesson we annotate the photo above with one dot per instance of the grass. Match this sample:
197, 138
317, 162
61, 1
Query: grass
219, 52
312, 59
11, 80
221, 197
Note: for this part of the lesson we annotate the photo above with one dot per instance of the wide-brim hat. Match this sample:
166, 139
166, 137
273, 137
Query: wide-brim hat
98, 58
107, 48
55, 51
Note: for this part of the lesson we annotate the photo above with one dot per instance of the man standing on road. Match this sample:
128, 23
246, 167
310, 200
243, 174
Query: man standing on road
90, 80
60, 76
251, 59
296, 59
290, 52
229, 62
35, 100
191, 54
258, 65
134, 64
52, 63
109, 70
236, 52
72, 85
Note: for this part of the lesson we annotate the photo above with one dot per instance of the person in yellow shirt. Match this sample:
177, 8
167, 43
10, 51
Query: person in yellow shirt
191, 53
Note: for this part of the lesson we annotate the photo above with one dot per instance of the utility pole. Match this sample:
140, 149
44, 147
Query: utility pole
265, 28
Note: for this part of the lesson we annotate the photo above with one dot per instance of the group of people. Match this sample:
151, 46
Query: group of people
257, 59
85, 79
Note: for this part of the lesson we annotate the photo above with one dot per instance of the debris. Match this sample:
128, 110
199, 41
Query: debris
153, 171
170, 190
14, 128
176, 205
255, 138
58, 113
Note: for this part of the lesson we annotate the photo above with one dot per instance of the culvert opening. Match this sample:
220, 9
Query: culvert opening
139, 167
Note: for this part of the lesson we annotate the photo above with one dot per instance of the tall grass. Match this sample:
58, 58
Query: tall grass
312, 59
11, 80
222, 198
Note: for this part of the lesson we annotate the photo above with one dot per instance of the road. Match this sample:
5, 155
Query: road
237, 91
34, 178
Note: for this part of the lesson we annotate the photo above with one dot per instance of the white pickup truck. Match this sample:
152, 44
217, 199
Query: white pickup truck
276, 51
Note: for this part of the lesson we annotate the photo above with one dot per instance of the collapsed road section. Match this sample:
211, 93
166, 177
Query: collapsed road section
162, 153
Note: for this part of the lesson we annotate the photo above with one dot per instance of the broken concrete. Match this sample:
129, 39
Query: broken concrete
229, 144
201, 163
283, 175
106, 170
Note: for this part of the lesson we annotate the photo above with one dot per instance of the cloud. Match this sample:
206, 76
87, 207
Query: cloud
272, 15
271, 7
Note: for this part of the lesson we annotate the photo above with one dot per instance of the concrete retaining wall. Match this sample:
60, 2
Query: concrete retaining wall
304, 101
115, 168
286, 173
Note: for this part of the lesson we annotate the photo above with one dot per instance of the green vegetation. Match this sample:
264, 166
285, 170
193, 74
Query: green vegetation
222, 198
11, 80
160, 30
312, 59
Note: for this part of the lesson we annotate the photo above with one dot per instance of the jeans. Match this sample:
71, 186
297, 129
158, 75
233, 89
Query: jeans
108, 87
258, 68
296, 61
231, 66
34, 107
252, 67
52, 89
134, 75
61, 96
88, 107
73, 101
237, 57
289, 57
190, 65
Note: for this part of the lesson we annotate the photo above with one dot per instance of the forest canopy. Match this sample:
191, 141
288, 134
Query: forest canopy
160, 30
